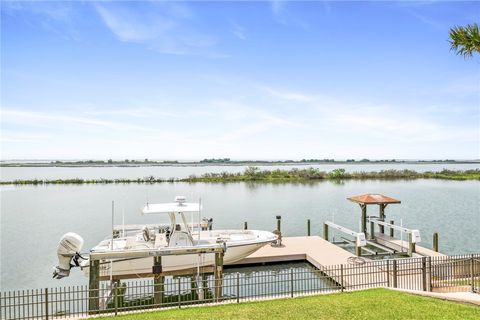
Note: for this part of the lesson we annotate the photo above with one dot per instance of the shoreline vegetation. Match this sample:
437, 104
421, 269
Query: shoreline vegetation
254, 174
217, 162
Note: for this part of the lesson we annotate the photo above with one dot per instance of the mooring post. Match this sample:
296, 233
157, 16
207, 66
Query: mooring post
279, 223
435, 242
158, 281
325, 231
218, 275
392, 231
245, 225
411, 245
308, 227
93, 286
382, 216
364, 218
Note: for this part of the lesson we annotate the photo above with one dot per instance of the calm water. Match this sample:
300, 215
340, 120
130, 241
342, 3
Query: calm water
12, 173
33, 218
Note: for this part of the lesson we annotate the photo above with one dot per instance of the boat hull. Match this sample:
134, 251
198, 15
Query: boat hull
141, 267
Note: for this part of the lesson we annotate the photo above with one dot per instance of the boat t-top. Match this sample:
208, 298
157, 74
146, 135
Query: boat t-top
128, 239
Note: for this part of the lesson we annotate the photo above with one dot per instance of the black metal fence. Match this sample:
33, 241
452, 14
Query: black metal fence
445, 273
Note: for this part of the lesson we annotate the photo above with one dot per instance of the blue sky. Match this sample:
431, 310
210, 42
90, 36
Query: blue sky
245, 80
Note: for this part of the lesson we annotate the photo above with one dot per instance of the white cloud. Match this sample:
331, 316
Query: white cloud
165, 27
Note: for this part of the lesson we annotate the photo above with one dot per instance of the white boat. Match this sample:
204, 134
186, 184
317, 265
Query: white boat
127, 240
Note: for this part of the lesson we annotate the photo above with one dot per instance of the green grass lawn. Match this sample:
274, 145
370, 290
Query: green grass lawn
369, 304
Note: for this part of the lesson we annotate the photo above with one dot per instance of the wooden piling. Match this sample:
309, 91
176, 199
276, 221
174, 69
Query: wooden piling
325, 231
392, 231
279, 223
218, 275
382, 216
245, 225
308, 227
372, 230
158, 281
435, 242
363, 227
93, 286
411, 245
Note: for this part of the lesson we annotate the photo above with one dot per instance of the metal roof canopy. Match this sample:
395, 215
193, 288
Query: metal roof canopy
372, 198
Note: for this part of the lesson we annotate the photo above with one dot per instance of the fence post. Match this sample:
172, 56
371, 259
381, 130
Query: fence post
341, 277
388, 273
424, 273
430, 272
394, 273
472, 261
46, 303
179, 292
291, 283
308, 227
115, 296
238, 287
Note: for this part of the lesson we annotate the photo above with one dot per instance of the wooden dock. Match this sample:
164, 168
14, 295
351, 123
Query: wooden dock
314, 249
327, 257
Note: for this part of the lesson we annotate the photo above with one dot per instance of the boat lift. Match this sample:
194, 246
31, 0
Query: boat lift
413, 234
388, 244
360, 240
159, 276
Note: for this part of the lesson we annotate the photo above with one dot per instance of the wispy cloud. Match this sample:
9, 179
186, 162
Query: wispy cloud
163, 27
238, 30
288, 95
33, 118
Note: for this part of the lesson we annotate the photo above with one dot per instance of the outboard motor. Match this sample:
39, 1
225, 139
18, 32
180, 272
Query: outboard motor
68, 251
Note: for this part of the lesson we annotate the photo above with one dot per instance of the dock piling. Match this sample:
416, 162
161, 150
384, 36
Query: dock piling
158, 281
392, 231
435, 242
308, 227
245, 225
218, 275
279, 223
411, 245
93, 286
325, 231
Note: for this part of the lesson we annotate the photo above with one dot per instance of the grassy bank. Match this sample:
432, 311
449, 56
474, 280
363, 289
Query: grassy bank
370, 304
256, 175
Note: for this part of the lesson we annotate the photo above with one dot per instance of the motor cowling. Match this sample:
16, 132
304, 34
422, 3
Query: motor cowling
68, 249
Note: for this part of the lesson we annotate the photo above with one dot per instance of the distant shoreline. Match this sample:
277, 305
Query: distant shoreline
222, 162
254, 174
